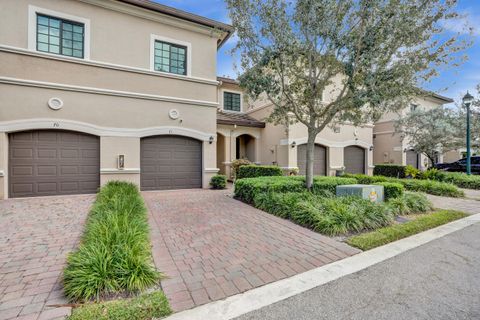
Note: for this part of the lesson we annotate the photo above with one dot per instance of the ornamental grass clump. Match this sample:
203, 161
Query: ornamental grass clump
410, 203
114, 254
325, 214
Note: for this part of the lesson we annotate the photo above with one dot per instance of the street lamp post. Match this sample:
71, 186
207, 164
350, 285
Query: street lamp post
467, 101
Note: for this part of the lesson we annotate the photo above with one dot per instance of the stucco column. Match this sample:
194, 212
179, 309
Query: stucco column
335, 160
3, 165
370, 165
209, 162
110, 149
228, 156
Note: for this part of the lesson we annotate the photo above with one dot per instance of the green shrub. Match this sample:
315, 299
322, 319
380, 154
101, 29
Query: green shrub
395, 232
253, 171
389, 170
114, 254
411, 171
280, 204
432, 174
432, 187
218, 181
364, 179
146, 306
327, 215
427, 186
460, 179
391, 189
410, 203
236, 164
246, 189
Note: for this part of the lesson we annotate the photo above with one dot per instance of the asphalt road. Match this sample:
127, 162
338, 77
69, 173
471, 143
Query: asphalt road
439, 280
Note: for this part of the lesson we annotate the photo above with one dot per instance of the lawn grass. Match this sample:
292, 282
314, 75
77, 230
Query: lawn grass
143, 307
114, 255
395, 232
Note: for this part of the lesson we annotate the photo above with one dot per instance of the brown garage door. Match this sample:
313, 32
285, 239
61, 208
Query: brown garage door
354, 159
53, 162
319, 160
170, 162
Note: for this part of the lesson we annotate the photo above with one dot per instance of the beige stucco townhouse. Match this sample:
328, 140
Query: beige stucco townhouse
95, 90
389, 147
243, 133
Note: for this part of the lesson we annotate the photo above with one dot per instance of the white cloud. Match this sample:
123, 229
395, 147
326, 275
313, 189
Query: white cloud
466, 23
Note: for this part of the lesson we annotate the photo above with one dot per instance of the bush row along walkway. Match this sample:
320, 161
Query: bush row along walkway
469, 206
212, 246
36, 235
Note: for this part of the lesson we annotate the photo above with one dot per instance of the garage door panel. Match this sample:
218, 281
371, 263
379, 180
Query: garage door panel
46, 187
23, 153
19, 171
354, 159
46, 153
61, 162
47, 170
170, 162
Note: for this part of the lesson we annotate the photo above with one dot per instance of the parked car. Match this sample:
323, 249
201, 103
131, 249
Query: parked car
461, 165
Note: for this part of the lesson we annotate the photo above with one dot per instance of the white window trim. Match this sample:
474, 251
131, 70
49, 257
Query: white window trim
154, 37
32, 29
232, 91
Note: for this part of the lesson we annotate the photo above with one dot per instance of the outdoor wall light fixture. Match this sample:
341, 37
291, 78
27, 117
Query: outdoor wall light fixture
294, 144
371, 148
210, 140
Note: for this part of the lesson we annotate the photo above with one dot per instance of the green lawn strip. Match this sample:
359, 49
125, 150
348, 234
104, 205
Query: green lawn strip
114, 255
395, 232
146, 306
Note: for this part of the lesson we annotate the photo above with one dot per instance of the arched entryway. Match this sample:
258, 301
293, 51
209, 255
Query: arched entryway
354, 159
319, 160
53, 162
245, 147
170, 162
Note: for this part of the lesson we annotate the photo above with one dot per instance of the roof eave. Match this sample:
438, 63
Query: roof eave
166, 10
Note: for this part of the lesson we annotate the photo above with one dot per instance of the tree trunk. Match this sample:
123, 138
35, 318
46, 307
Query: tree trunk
310, 152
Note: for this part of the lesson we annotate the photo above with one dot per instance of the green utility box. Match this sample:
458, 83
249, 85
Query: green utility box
373, 193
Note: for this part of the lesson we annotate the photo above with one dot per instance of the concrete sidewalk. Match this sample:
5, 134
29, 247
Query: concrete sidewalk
438, 280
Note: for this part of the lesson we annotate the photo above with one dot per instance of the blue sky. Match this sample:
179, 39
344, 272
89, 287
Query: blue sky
453, 82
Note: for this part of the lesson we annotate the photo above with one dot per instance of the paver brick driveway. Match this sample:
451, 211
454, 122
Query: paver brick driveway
35, 236
212, 246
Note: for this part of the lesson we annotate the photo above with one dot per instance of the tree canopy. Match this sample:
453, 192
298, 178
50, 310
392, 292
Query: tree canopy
322, 62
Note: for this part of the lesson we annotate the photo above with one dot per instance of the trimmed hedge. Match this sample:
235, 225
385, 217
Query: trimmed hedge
460, 179
246, 189
327, 215
428, 186
391, 189
218, 181
114, 254
253, 171
389, 170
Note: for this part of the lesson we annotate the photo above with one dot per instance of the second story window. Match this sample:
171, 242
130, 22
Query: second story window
231, 101
60, 36
170, 58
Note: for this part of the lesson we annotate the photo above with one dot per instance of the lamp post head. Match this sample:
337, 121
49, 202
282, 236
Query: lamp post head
467, 99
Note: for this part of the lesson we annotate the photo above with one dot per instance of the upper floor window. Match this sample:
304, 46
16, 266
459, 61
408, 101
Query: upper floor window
59, 36
169, 57
231, 101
